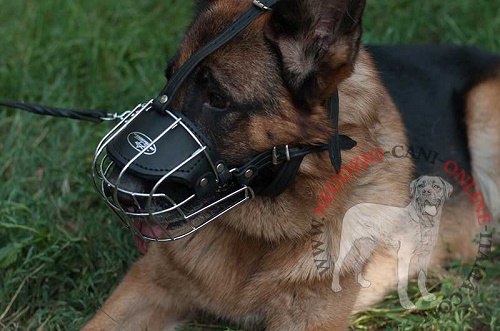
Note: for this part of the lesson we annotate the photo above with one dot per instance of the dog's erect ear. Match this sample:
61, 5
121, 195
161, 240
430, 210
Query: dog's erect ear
318, 41
448, 188
202, 5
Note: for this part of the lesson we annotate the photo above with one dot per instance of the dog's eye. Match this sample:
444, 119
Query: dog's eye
421, 185
435, 187
217, 101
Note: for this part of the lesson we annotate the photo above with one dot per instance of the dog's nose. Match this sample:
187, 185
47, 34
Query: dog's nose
124, 199
135, 194
427, 191
126, 181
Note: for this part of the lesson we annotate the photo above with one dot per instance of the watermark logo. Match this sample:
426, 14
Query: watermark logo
319, 250
335, 183
483, 216
411, 231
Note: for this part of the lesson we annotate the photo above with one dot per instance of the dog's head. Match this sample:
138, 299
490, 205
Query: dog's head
266, 87
429, 194
269, 84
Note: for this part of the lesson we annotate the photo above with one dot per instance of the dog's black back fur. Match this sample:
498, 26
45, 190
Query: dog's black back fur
429, 84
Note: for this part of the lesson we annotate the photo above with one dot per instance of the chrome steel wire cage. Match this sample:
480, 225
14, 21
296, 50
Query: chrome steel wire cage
152, 213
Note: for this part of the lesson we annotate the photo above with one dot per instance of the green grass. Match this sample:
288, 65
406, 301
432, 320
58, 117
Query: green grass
61, 250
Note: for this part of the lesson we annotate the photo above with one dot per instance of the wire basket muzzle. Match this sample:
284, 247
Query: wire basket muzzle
160, 173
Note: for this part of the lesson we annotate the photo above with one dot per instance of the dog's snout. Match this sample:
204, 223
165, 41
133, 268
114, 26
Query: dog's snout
121, 188
135, 194
428, 190
124, 181
429, 194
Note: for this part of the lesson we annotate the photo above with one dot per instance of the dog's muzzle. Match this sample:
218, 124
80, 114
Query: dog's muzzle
158, 172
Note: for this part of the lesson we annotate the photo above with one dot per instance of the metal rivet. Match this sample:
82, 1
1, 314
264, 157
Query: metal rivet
203, 182
248, 173
220, 168
163, 98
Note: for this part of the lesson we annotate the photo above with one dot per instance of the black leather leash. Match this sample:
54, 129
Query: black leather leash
91, 115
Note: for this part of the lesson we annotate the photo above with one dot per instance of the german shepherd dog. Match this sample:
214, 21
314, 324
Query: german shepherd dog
268, 86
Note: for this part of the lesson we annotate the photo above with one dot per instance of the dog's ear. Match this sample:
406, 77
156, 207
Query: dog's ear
318, 41
448, 188
413, 186
202, 5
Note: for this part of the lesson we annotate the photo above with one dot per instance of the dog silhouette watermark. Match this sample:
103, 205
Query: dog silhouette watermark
412, 231
358, 257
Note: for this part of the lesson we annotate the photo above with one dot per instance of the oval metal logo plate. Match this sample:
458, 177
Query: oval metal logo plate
139, 141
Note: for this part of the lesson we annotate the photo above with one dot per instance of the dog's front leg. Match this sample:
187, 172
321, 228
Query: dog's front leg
138, 303
423, 265
404, 259
315, 307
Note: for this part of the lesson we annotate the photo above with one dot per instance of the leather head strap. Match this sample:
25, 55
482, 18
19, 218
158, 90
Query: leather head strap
164, 100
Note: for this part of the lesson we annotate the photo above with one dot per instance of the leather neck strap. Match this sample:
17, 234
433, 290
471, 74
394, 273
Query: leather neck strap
287, 159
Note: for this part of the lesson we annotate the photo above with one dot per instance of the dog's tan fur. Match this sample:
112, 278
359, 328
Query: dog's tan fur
254, 265
483, 119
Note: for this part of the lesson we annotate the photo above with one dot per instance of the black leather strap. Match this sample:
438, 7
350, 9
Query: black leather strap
290, 158
334, 143
282, 178
265, 159
95, 116
163, 101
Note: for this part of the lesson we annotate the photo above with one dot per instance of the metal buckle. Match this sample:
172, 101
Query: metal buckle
275, 154
260, 5
116, 116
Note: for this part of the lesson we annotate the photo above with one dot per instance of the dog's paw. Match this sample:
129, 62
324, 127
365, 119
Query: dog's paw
363, 282
407, 304
429, 297
336, 287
